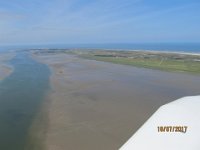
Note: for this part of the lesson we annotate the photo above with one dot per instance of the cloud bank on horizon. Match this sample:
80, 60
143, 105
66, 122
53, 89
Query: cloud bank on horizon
99, 21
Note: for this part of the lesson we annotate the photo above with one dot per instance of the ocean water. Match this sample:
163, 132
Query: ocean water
174, 47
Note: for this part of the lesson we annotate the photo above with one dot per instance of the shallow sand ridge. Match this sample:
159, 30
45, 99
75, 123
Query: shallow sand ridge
5, 69
98, 105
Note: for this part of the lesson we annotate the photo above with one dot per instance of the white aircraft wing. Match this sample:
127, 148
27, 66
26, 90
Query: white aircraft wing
174, 126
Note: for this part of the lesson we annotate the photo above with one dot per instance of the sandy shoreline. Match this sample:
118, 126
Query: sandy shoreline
98, 105
169, 52
134, 50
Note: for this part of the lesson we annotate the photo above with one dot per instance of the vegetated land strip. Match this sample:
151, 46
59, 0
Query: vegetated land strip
167, 61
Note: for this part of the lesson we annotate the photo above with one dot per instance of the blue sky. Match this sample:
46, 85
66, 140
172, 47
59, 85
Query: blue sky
98, 21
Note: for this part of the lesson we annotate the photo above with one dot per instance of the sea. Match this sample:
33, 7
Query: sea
172, 47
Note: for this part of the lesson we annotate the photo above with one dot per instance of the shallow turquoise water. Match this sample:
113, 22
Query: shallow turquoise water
21, 94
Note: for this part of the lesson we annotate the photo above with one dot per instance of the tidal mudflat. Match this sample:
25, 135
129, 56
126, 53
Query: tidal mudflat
98, 105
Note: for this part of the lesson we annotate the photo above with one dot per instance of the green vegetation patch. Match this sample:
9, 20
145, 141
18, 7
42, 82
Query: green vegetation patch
155, 60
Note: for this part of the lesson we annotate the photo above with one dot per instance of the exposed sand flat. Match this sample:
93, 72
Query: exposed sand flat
98, 106
5, 69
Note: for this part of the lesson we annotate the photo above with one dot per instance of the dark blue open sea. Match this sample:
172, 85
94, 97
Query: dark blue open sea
173, 47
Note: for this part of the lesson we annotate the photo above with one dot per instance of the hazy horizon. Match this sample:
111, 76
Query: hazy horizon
174, 47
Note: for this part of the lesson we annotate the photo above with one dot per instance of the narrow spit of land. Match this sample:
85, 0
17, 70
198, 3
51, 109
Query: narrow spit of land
99, 105
166, 61
5, 68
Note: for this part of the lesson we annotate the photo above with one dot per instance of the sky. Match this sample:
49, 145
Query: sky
98, 21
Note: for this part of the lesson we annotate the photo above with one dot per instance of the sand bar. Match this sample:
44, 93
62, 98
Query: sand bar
5, 68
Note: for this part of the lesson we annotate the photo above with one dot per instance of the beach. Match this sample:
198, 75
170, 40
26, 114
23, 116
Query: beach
99, 105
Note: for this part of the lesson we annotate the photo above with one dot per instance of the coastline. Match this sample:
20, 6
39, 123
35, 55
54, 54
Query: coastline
142, 50
118, 50
170, 52
135, 50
